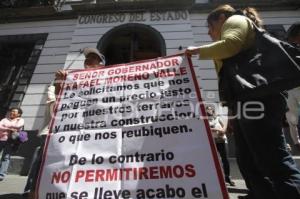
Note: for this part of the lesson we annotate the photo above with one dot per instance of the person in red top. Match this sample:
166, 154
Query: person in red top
13, 123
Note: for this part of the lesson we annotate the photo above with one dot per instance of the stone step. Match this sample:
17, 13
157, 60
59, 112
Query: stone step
16, 165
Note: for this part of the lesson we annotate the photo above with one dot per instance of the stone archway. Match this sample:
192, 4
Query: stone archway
131, 42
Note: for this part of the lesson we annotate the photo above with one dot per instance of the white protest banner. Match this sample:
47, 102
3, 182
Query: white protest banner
134, 130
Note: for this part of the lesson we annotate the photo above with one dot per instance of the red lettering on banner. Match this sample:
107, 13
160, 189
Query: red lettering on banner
100, 175
61, 177
112, 175
178, 171
167, 63
82, 84
170, 72
175, 62
166, 172
153, 173
88, 75
128, 77
79, 174
127, 172
190, 171
140, 173
89, 177
143, 173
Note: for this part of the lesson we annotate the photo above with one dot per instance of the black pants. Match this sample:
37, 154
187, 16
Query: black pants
35, 166
2, 145
222, 150
267, 167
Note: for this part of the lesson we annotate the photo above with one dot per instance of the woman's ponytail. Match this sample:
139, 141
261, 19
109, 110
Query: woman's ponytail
252, 14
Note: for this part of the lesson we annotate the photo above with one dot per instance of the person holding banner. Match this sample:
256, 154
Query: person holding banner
93, 59
37, 156
267, 167
218, 130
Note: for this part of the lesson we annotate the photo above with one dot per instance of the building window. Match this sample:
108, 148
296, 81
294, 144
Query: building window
18, 57
131, 42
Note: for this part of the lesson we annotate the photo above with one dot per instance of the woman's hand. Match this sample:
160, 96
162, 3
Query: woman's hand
60, 74
192, 50
220, 131
12, 130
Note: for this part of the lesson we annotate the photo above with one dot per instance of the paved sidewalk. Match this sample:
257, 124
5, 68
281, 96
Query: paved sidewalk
12, 187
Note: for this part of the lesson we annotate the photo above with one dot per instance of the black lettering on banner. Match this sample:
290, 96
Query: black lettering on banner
80, 137
105, 111
68, 96
78, 104
88, 125
105, 135
160, 131
166, 192
100, 193
168, 105
56, 195
61, 139
142, 157
150, 85
179, 81
56, 128
74, 159
198, 192
97, 159
69, 115
175, 115
108, 89
79, 195
164, 94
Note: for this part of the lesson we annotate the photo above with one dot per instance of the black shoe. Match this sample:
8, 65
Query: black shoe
248, 196
244, 197
28, 195
229, 181
25, 195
